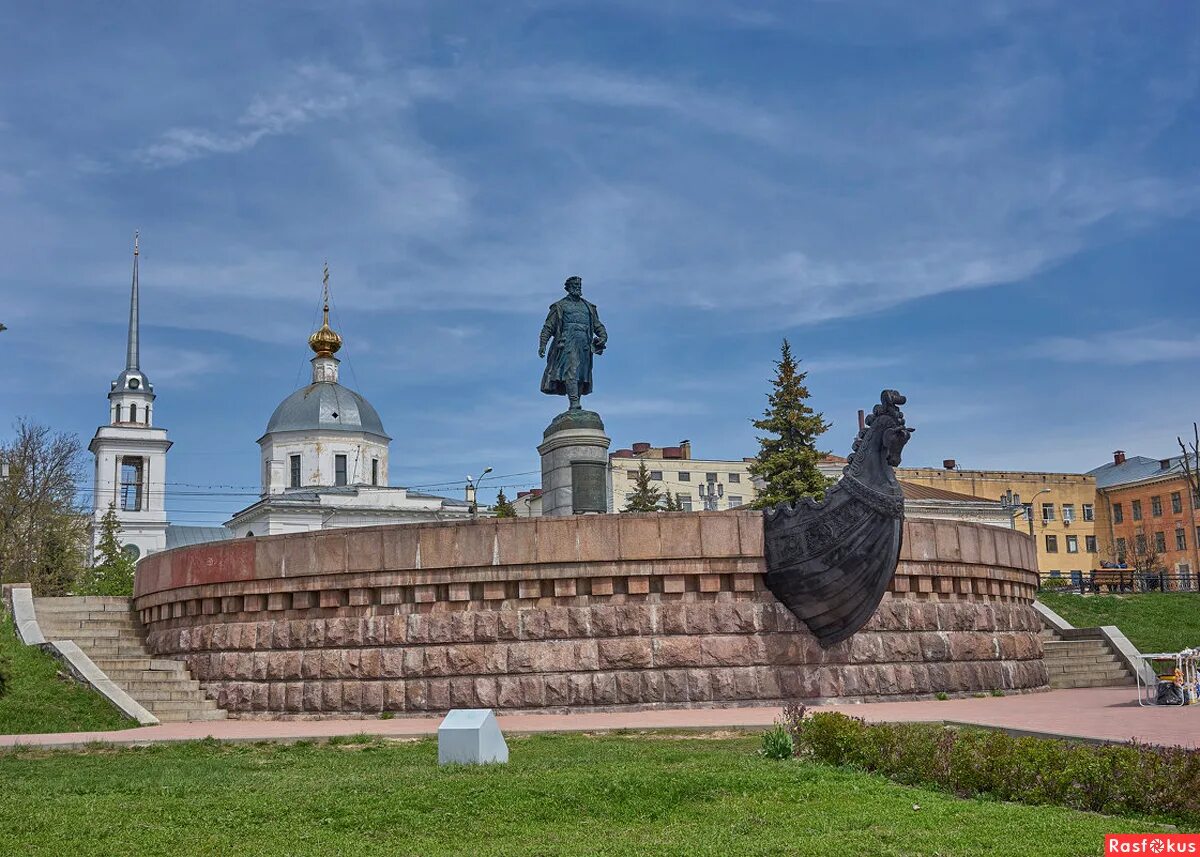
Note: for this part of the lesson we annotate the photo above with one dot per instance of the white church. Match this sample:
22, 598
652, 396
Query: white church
324, 459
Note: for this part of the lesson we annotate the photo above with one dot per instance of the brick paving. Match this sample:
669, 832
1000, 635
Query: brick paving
1103, 714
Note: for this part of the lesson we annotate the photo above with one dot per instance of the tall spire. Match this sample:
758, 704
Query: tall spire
132, 355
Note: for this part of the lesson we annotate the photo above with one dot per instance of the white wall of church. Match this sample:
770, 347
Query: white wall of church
318, 453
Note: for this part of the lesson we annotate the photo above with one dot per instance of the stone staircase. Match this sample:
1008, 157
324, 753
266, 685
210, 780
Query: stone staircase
104, 628
1080, 657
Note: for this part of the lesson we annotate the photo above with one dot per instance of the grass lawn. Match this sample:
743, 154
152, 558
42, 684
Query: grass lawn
37, 700
1153, 621
559, 795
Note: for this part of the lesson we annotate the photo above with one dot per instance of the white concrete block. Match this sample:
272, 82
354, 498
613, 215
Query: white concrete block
471, 736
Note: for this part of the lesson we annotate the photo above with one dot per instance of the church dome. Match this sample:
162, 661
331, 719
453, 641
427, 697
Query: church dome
326, 406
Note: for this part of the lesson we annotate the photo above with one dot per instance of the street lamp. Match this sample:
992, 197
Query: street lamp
472, 485
1012, 504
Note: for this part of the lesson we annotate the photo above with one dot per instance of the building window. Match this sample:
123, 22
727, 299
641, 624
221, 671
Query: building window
735, 500
294, 464
1160, 542
1176, 502
656, 475
1072, 544
1047, 512
684, 501
632, 474
339, 470
1139, 544
1068, 512
710, 477
132, 470
1051, 544
735, 478
1054, 572
685, 476
1156, 506
1026, 511
1136, 506
1089, 544
1180, 539
133, 413
374, 471
1118, 513
1121, 551
1089, 512
118, 413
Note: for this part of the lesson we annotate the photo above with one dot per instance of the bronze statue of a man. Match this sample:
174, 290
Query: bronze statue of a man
574, 325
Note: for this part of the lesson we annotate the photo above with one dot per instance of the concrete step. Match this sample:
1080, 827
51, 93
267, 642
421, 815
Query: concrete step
1090, 659
152, 698
184, 716
108, 653
176, 685
1071, 681
122, 676
193, 704
145, 662
1074, 667
90, 604
1109, 675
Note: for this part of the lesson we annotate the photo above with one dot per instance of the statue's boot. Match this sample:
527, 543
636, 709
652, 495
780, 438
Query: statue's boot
574, 406
573, 395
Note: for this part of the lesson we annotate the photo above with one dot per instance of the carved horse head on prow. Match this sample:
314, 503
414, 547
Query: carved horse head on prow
881, 441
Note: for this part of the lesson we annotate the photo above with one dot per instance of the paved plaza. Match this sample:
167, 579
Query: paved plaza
1098, 714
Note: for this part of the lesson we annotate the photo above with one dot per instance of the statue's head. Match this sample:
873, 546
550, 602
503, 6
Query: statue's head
574, 286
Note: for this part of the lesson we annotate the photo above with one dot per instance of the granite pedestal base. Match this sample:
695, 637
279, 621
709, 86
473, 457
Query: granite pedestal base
575, 465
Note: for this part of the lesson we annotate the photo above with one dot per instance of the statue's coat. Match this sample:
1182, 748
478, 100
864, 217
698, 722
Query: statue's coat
570, 352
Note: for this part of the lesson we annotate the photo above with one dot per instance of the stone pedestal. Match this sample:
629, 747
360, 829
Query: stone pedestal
574, 454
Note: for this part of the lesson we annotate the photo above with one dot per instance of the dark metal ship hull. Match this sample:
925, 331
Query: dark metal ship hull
831, 561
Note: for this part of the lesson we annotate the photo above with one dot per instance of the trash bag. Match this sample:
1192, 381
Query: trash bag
1169, 693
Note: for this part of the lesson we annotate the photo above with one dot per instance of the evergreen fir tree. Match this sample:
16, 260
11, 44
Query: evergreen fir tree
112, 573
645, 496
504, 507
671, 503
787, 457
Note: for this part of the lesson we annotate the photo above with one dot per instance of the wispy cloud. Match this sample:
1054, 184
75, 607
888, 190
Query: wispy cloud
310, 93
1130, 347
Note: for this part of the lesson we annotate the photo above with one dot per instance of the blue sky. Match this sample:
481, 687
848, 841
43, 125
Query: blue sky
993, 207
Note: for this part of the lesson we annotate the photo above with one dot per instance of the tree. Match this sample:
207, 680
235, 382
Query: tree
788, 456
112, 573
645, 496
671, 503
43, 531
504, 507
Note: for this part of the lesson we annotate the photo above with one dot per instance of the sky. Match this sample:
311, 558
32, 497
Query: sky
993, 207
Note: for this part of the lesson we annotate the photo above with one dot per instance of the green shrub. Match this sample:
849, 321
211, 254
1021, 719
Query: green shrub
1112, 779
5, 673
941, 694
1056, 583
777, 743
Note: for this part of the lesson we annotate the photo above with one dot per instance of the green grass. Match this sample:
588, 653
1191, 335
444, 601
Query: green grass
1153, 621
560, 795
37, 700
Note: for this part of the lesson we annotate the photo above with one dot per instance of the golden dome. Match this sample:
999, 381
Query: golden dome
326, 341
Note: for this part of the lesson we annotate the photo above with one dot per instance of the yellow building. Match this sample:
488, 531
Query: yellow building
1059, 510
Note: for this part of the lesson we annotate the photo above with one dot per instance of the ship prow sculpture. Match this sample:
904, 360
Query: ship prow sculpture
830, 561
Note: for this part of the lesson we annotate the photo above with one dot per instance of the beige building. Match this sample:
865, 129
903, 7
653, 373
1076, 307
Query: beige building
698, 484
1059, 510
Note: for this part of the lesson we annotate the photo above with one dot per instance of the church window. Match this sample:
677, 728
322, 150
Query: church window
294, 462
339, 470
133, 413
374, 471
118, 413
131, 484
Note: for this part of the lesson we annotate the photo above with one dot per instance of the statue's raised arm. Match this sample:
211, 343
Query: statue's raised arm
574, 333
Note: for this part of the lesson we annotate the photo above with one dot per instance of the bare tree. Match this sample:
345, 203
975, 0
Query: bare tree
1191, 457
43, 531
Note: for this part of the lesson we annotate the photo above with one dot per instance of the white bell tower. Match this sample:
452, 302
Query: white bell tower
131, 455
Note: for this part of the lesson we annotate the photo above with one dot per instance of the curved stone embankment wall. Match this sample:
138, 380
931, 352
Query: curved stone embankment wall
581, 612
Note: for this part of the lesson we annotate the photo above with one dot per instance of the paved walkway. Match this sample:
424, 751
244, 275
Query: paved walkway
1103, 714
